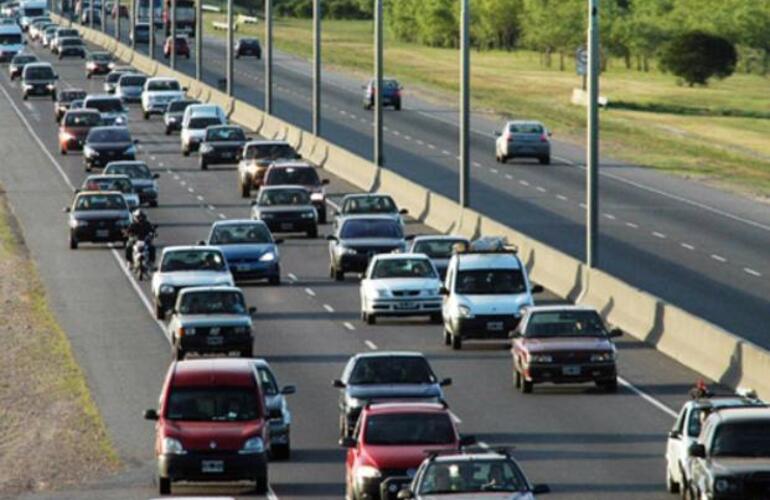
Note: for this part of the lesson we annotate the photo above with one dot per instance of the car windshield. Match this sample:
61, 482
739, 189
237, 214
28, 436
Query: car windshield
249, 41
438, 249
108, 135
472, 476
565, 324
10, 39
409, 429
203, 122
132, 81
61, 33
106, 105
217, 404
38, 73
369, 205
303, 176
225, 134
233, 234
192, 260
179, 106
525, 128
272, 197
267, 380
108, 184
270, 152
25, 59
364, 228
490, 281
100, 202
403, 268
373, 370
163, 85
71, 95
101, 57
229, 302
113, 77
133, 170
747, 438
70, 42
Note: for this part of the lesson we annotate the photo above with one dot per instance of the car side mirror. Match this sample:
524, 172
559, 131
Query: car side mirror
538, 289
201, 243
299, 156
55, 77
325, 181
445, 382
156, 176
252, 310
403, 211
136, 141
348, 442
616, 332
253, 203
66, 210
331, 237
674, 435
697, 450
339, 384
443, 291
150, 415
405, 494
541, 489
184, 89
288, 389
467, 441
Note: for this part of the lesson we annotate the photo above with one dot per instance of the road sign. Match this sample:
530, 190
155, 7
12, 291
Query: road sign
581, 61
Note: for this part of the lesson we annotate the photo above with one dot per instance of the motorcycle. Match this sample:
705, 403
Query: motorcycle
141, 262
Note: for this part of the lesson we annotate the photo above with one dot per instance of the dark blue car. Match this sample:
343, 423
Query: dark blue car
391, 94
249, 248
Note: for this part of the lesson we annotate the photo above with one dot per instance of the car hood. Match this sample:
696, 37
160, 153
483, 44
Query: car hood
399, 456
483, 496
372, 242
196, 278
195, 320
209, 436
394, 391
406, 283
246, 250
495, 304
567, 344
100, 214
739, 465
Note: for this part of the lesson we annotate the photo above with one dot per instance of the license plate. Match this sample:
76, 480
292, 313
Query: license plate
243, 267
570, 370
102, 233
407, 305
287, 226
212, 466
227, 154
214, 340
495, 326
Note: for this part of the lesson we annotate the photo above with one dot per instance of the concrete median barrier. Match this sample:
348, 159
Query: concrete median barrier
247, 116
351, 167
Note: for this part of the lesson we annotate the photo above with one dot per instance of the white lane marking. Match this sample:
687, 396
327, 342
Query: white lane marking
654, 402
191, 190
199, 197
183, 183
431, 146
562, 197
444, 151
752, 272
310, 292
271, 494
524, 183
494, 170
349, 326
408, 137
328, 308
718, 258
541, 189
292, 277
152, 158
477, 164
420, 142
583, 206
211, 207
396, 132
687, 246
609, 216
509, 177
222, 216
161, 164
176, 177
632, 225
659, 235
371, 345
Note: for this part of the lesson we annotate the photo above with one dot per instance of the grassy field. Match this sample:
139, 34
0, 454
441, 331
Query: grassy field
718, 133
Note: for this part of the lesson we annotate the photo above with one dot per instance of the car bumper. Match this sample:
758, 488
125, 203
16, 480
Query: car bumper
234, 467
39, 90
485, 327
131, 98
99, 70
558, 373
155, 107
254, 270
528, 150
221, 158
104, 159
98, 235
73, 144
291, 226
216, 343
404, 307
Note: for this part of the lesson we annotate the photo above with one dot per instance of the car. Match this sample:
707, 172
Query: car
687, 428
74, 128
106, 144
371, 203
439, 248
211, 319
492, 474
18, 62
8, 21
382, 376
34, 28
111, 108
48, 34
130, 86
249, 248
187, 266
88, 13
64, 99
731, 458
248, 47
564, 344
392, 439
111, 80
257, 157
140, 33
180, 47
286, 209
114, 183
523, 139
196, 119
99, 217
12, 40
158, 92
119, 11
59, 35
400, 285
78, 104
391, 93
172, 116
222, 144
28, 18
38, 78
212, 424
358, 238
278, 411
299, 173
487, 290
98, 63
71, 47
144, 181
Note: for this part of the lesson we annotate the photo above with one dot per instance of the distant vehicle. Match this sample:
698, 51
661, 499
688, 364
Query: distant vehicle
74, 128
119, 10
184, 16
47, 37
286, 209
158, 92
249, 248
38, 79
180, 47
11, 41
439, 248
371, 203
144, 181
29, 10
207, 401
391, 93
37, 27
277, 410
62, 33
172, 116
223, 144
111, 107
523, 139
64, 100
142, 13
358, 238
248, 47
300, 173
111, 80
18, 62
71, 47
196, 119
140, 33
98, 217
106, 144
257, 157
130, 87
98, 63
117, 183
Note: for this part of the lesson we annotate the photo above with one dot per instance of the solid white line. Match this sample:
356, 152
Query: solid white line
160, 164
659, 235
292, 276
654, 402
349, 326
632, 225
718, 258
310, 292
687, 246
328, 308
752, 272
562, 197
371, 345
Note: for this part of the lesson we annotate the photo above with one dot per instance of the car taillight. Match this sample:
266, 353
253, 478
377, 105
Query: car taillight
510, 137
543, 138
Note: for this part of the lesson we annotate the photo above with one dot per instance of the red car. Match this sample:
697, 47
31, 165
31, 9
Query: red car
391, 441
212, 424
74, 128
181, 46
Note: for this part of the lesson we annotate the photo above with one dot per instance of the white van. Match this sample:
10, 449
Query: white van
194, 122
31, 9
11, 41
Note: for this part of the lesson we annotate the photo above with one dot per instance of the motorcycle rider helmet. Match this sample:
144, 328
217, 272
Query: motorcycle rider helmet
139, 215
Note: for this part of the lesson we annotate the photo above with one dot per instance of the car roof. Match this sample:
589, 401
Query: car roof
523, 122
396, 407
388, 354
281, 187
440, 237
40, 64
742, 414
185, 248
718, 402
234, 222
366, 195
474, 261
223, 125
218, 288
108, 176
212, 372
378, 217
291, 164
560, 307
467, 457
126, 162
111, 97
269, 142
98, 193
203, 109
399, 256
161, 79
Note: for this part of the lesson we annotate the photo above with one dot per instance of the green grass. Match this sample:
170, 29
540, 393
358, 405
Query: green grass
714, 133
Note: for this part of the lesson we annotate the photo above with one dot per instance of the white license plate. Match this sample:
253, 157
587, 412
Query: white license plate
570, 370
243, 267
494, 326
287, 226
214, 340
102, 233
212, 466
407, 305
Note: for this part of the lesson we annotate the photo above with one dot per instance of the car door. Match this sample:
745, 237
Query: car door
676, 446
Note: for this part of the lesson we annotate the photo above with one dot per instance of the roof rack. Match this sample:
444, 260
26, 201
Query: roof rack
487, 245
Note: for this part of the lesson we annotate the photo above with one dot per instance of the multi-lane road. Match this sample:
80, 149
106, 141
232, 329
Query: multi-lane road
584, 443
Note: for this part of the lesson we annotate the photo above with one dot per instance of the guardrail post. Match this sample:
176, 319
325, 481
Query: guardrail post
103, 20
117, 21
378, 146
592, 150
199, 40
269, 57
230, 42
317, 67
91, 15
465, 112
172, 50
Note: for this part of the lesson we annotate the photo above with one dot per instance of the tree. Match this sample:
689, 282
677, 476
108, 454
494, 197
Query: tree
697, 56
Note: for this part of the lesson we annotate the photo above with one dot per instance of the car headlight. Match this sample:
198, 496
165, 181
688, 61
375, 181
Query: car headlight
78, 223
724, 485
365, 472
317, 197
267, 257
355, 402
253, 445
171, 446
206, 148
27, 86
89, 151
603, 357
464, 311
173, 119
343, 250
540, 358
131, 150
120, 120
50, 86
166, 289
66, 136
308, 215
186, 331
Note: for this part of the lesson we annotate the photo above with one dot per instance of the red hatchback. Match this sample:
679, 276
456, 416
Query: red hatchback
211, 424
181, 46
391, 441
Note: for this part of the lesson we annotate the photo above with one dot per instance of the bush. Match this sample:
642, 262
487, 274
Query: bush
696, 57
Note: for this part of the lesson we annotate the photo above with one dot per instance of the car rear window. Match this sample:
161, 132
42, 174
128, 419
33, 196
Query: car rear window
71, 95
38, 73
565, 323
25, 59
163, 85
403, 268
373, 370
369, 205
200, 122
490, 282
525, 128
101, 202
225, 134
132, 80
438, 249
213, 404
409, 429
210, 302
192, 260
745, 438
230, 234
71, 42
272, 197
133, 170
371, 229
106, 135
108, 184
82, 119
101, 57
302, 176
270, 152
106, 105
179, 106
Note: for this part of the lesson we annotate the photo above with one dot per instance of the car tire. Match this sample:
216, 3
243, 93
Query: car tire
281, 452
88, 167
73, 243
178, 353
545, 160
526, 386
24, 96
457, 342
88, 76
397, 106
245, 185
164, 486
671, 485
53, 96
185, 152
160, 313
260, 486
203, 164
503, 158
154, 203
146, 115
339, 274
608, 386
168, 131
63, 151
447, 337
322, 217
516, 379
274, 281
312, 233
371, 319
436, 318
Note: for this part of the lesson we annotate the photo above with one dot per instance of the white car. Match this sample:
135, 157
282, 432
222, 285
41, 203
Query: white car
486, 291
187, 266
62, 33
195, 120
371, 203
113, 182
398, 285
440, 248
158, 92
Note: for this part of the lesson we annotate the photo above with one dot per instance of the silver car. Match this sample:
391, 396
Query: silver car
439, 248
129, 87
278, 414
523, 139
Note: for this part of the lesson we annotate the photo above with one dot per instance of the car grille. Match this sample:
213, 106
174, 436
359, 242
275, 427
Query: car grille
571, 356
221, 330
374, 250
405, 293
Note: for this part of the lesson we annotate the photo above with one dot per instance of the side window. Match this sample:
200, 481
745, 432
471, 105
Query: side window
679, 424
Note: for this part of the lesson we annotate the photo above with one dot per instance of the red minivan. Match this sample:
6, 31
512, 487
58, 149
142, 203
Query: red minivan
211, 424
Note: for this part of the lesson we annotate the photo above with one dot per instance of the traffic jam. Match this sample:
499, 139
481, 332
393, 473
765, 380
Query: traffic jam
223, 414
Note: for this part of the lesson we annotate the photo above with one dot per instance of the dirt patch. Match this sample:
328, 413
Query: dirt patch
51, 434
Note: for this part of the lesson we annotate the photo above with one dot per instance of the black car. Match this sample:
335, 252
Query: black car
38, 79
381, 376
248, 47
71, 47
18, 62
222, 144
286, 209
64, 100
106, 144
99, 217
174, 113
391, 94
358, 238
98, 63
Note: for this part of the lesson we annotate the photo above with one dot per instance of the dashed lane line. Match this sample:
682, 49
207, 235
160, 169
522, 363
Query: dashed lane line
328, 308
349, 326
687, 246
310, 292
718, 258
632, 225
371, 345
752, 272
659, 235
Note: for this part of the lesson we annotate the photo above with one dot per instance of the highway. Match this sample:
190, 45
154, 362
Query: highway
585, 444
687, 243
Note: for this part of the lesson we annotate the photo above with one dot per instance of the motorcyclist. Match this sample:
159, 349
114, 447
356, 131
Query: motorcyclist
138, 230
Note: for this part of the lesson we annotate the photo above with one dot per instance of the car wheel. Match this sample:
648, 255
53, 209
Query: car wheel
339, 275
274, 281
164, 486
178, 353
516, 379
73, 243
160, 313
447, 337
88, 167
322, 217
168, 131
146, 115
313, 233
371, 319
503, 158
526, 386
185, 152
63, 151
545, 160
671, 485
609, 386
457, 342
397, 106
436, 318
260, 488
24, 96
203, 164
53, 96
245, 186
280, 451
88, 75
154, 203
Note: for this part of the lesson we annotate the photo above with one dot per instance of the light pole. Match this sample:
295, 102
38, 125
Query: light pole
377, 90
269, 57
103, 20
230, 42
117, 20
592, 153
172, 50
151, 39
316, 67
198, 39
465, 71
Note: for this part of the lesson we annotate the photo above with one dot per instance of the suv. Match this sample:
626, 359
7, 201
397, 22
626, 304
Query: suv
38, 78
486, 291
358, 238
183, 267
391, 94
298, 173
382, 376
277, 410
732, 456
563, 344
158, 92
286, 209
211, 424
525, 139
392, 439
196, 119
64, 99
371, 203
257, 157
172, 116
